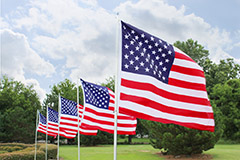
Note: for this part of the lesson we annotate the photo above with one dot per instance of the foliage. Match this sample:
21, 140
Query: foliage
176, 140
227, 98
27, 151
100, 138
19, 104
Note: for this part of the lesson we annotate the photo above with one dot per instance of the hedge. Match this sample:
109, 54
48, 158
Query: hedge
27, 152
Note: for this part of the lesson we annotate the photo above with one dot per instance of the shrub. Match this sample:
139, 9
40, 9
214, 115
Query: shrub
27, 151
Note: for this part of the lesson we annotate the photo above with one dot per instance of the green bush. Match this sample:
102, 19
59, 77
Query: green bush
27, 152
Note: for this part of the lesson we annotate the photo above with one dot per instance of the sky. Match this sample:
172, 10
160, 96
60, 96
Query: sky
44, 42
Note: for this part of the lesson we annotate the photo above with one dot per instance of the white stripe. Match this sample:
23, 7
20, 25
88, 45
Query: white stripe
158, 114
110, 127
186, 64
187, 78
165, 101
163, 86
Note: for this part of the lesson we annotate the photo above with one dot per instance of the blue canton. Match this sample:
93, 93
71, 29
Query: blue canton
42, 119
145, 54
96, 95
52, 115
68, 107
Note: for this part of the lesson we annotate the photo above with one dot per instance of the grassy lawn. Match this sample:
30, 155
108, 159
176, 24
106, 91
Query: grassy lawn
124, 152
225, 152
141, 152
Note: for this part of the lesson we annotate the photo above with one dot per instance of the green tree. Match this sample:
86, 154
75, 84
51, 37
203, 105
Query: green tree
175, 139
19, 104
68, 89
227, 98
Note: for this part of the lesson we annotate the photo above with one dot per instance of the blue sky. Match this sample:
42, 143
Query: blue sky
45, 41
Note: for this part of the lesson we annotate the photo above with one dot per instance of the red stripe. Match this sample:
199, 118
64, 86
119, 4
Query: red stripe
102, 114
147, 117
188, 85
69, 119
163, 93
187, 71
182, 56
98, 121
111, 131
163, 108
68, 124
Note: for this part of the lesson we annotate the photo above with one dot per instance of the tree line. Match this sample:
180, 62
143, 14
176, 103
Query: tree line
19, 104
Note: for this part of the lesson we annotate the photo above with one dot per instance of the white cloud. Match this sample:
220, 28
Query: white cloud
18, 58
83, 37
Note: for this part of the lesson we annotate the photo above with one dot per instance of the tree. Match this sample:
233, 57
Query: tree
68, 89
175, 139
227, 98
19, 104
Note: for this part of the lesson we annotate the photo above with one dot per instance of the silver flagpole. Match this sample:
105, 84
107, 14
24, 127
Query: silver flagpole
46, 136
78, 121
116, 90
35, 155
59, 117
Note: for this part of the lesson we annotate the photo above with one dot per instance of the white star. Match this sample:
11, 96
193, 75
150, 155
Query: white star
146, 41
144, 49
157, 58
132, 31
126, 56
152, 39
163, 78
142, 35
165, 46
164, 69
137, 48
153, 52
126, 36
126, 66
146, 69
167, 60
126, 46
140, 43
131, 42
163, 55
142, 54
159, 49
136, 68
156, 44
136, 58
142, 64
136, 37
169, 52
131, 52
161, 63
131, 62
150, 47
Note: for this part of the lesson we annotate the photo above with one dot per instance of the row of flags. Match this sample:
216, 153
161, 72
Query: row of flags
155, 81
98, 114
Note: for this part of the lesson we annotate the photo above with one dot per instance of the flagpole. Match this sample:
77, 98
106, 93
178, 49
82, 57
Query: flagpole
35, 154
46, 136
78, 121
116, 90
59, 117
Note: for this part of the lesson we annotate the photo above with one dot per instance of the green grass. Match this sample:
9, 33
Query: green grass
124, 152
225, 152
140, 152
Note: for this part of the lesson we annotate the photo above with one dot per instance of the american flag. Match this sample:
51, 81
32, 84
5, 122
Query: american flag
159, 82
52, 123
69, 118
42, 126
99, 110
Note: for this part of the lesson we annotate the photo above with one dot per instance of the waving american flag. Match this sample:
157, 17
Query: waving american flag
161, 83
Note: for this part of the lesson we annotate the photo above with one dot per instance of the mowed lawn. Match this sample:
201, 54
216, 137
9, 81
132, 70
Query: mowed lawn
140, 152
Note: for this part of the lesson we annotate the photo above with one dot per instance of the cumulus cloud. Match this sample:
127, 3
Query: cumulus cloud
81, 35
19, 58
